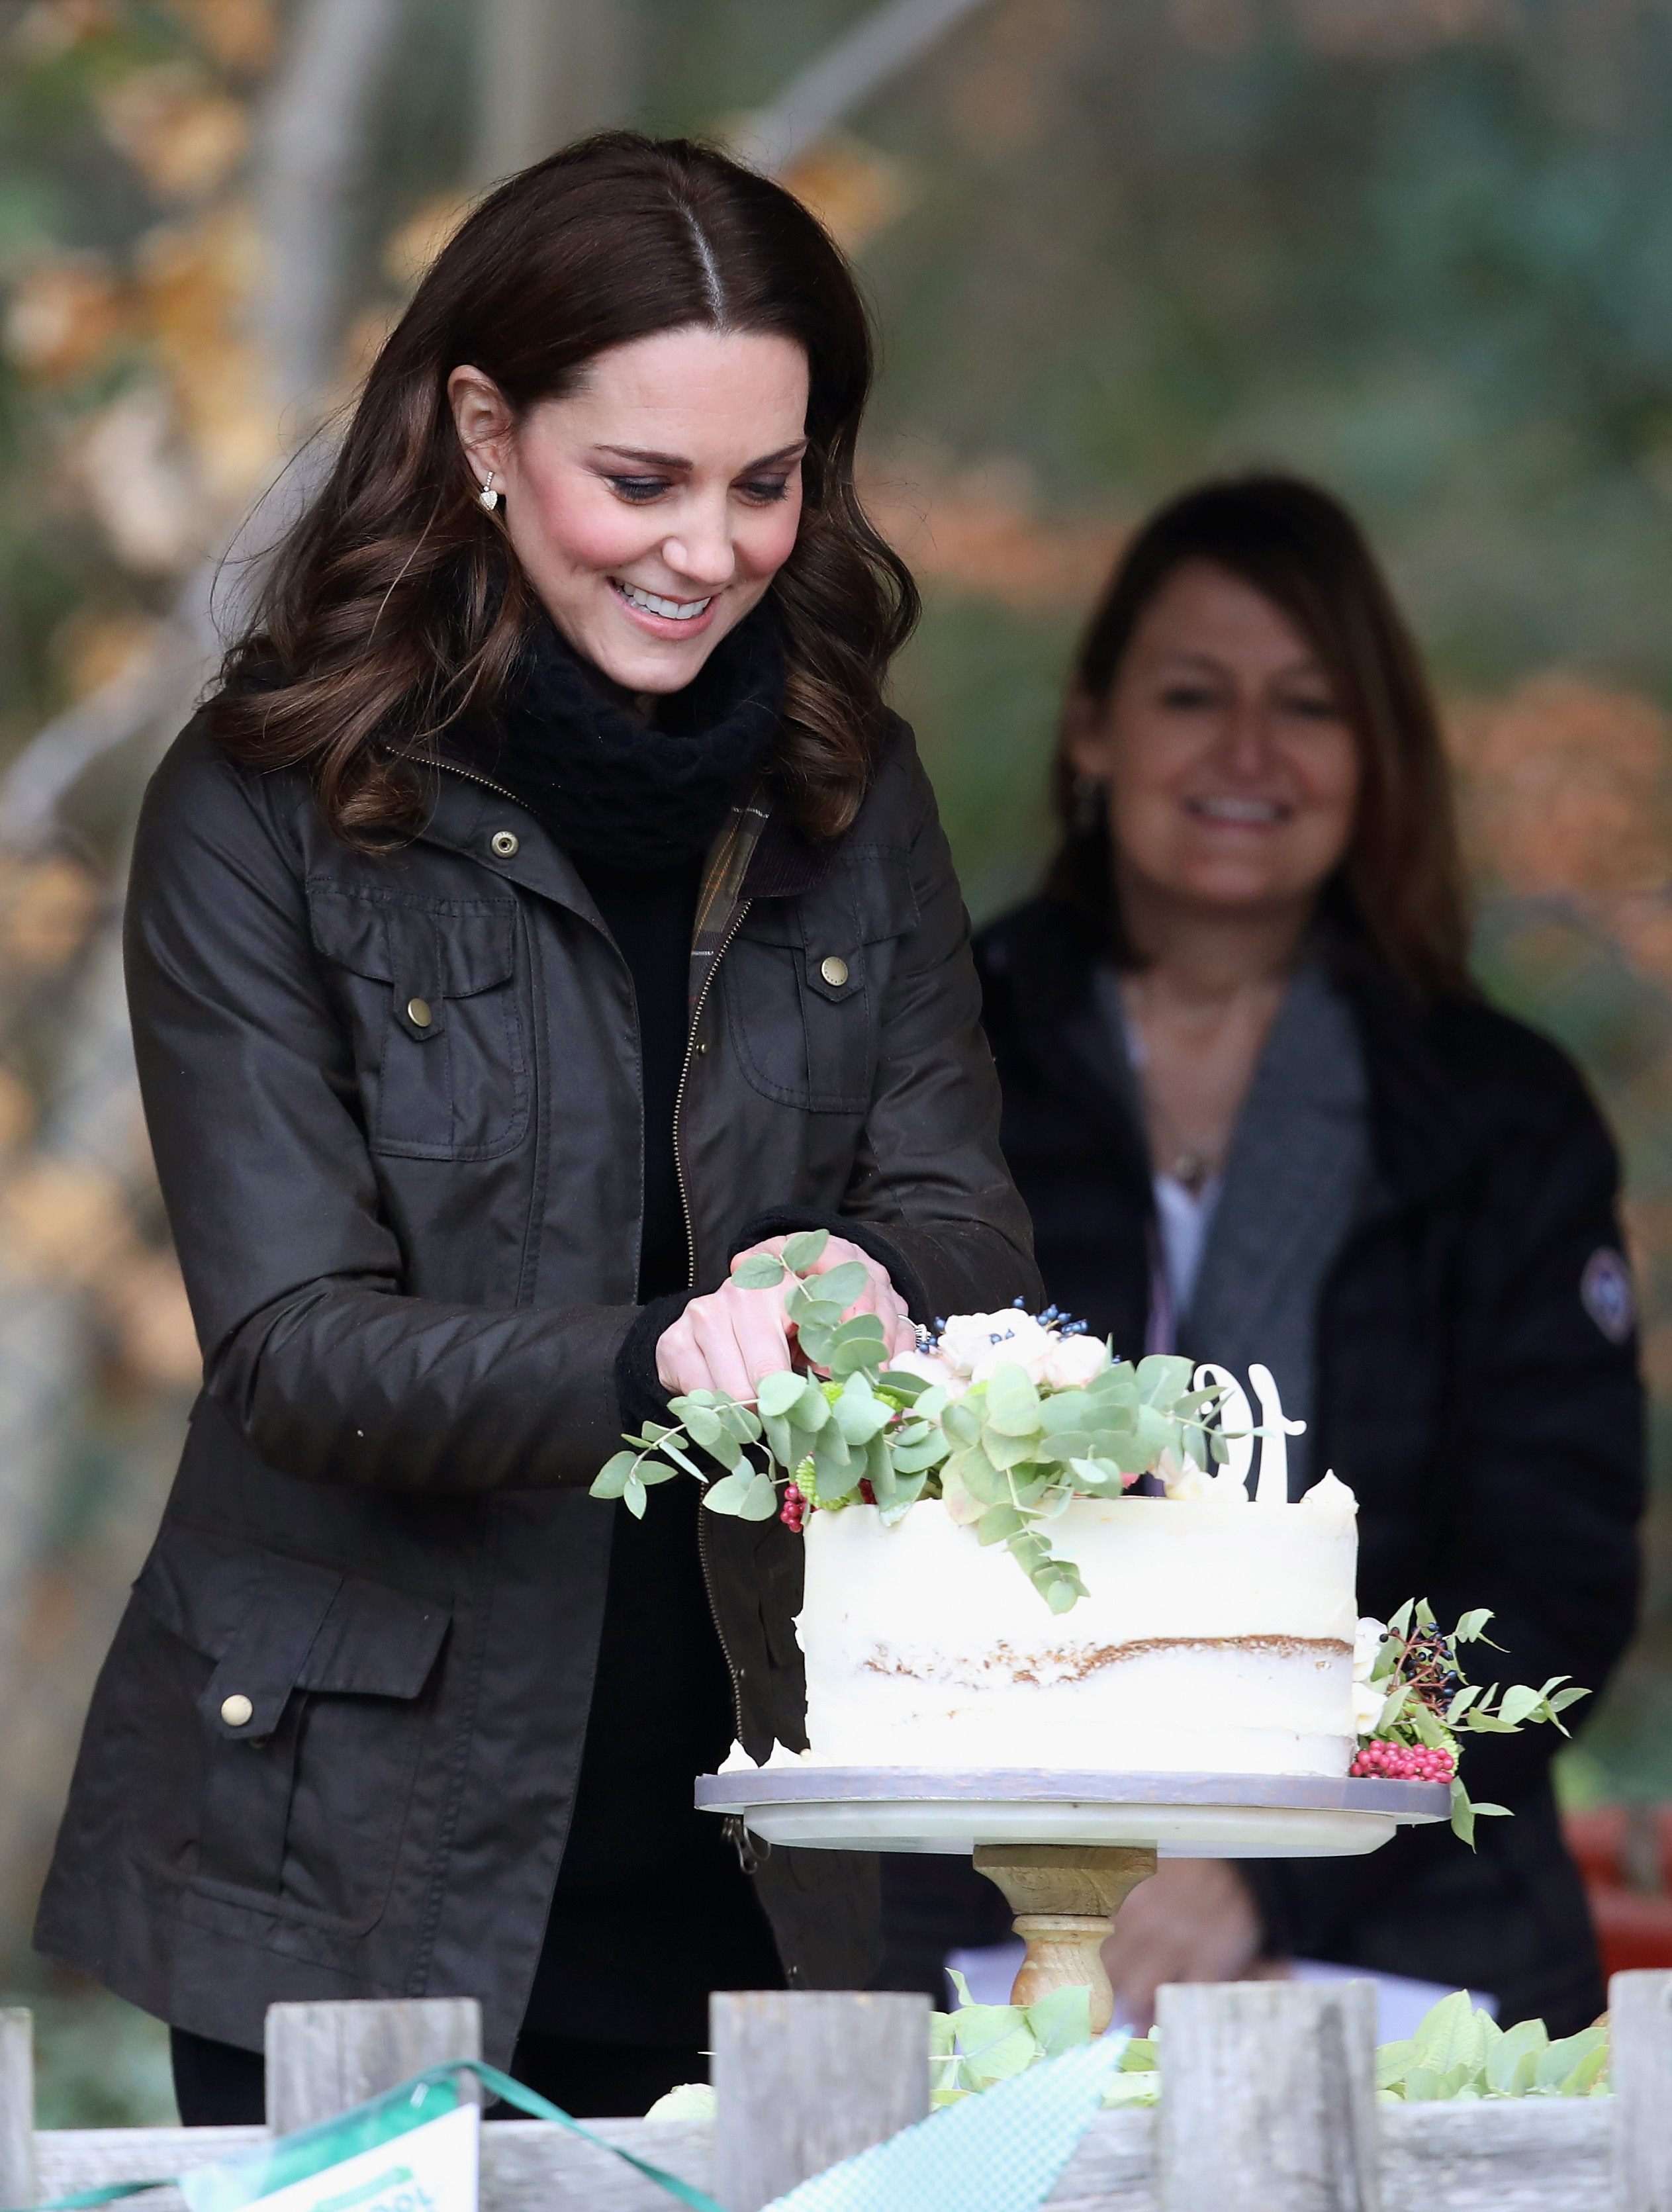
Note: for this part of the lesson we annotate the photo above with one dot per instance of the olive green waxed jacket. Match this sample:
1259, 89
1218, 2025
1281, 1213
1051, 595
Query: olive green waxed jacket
395, 1105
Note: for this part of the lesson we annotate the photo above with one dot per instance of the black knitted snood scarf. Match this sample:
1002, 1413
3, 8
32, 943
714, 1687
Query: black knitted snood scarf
621, 794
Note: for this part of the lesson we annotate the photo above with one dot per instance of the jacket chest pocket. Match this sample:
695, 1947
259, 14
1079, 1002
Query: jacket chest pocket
804, 983
284, 1703
434, 1002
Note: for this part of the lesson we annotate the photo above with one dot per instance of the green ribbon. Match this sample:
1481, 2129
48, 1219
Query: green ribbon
511, 2093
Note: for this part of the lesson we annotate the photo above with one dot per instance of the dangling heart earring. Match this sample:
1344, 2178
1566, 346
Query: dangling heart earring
488, 496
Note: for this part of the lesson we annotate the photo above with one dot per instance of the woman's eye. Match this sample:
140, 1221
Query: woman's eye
638, 488
1187, 698
1315, 709
764, 491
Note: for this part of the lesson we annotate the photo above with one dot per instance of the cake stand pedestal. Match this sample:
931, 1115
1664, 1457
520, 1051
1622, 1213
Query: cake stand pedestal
1067, 1849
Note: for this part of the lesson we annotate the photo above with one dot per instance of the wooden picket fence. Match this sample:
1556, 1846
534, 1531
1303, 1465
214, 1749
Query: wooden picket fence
1267, 2105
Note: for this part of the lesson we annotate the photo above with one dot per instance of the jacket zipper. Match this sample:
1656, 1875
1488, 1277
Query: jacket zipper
471, 776
737, 923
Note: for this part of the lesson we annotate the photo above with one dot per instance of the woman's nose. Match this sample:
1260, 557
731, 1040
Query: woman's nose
1246, 742
702, 550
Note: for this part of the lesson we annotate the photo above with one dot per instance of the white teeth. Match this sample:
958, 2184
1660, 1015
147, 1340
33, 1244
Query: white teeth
674, 610
1238, 809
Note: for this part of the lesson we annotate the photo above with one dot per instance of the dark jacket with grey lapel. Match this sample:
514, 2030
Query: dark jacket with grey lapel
411, 1248
1490, 1427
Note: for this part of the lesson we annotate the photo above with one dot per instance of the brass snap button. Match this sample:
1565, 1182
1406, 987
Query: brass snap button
505, 843
418, 1013
236, 1711
834, 970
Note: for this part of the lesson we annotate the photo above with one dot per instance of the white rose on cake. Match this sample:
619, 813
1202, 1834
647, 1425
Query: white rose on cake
1073, 1361
973, 1345
1368, 1697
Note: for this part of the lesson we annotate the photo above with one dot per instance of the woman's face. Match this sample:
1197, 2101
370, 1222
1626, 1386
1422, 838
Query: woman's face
652, 506
1232, 775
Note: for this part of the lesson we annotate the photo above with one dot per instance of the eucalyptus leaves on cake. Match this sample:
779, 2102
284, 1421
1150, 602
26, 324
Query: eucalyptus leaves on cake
1007, 1417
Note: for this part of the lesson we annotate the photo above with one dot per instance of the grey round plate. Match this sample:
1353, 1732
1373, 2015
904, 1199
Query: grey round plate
1247, 1816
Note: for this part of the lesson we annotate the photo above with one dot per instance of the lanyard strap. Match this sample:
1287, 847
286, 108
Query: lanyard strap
512, 2092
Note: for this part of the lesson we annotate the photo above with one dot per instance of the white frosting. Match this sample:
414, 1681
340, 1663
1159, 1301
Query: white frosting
1211, 1641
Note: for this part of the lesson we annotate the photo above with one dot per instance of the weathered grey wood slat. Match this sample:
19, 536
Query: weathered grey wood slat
530, 2166
69, 2158
1641, 2013
1113, 2168
1537, 2154
1525, 2154
18, 2105
804, 2078
324, 2058
1268, 2097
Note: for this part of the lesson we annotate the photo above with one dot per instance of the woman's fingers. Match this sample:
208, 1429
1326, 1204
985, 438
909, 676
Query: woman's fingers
733, 1337
879, 1296
725, 1341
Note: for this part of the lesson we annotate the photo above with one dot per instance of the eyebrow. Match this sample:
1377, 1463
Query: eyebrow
679, 461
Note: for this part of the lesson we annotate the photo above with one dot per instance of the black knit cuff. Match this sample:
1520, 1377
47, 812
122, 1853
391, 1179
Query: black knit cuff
789, 1221
639, 1392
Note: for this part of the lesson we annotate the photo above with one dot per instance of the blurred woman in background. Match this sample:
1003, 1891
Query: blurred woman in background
1259, 1111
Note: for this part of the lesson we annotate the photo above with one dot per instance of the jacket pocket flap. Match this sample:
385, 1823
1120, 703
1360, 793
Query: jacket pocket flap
867, 898
275, 1624
434, 948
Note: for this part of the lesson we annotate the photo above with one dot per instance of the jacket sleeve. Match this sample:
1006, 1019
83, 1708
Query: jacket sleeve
327, 1370
930, 1195
1546, 1486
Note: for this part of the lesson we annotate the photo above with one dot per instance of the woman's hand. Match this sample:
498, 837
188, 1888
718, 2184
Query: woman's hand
728, 1340
1194, 1920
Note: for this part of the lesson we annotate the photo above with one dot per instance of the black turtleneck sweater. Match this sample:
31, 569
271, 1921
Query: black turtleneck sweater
652, 1909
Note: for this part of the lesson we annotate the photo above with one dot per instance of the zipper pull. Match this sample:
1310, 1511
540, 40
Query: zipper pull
737, 1834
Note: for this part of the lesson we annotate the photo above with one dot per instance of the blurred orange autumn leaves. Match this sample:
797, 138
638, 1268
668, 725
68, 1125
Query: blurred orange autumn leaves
68, 1222
165, 462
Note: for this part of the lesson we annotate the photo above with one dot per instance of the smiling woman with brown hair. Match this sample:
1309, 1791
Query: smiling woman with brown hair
1260, 1112
546, 912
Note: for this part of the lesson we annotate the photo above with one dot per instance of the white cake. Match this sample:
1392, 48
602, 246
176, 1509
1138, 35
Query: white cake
1217, 1637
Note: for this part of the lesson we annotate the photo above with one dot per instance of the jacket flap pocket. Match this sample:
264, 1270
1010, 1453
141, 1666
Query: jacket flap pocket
879, 884
432, 948
867, 898
375, 1642
275, 1624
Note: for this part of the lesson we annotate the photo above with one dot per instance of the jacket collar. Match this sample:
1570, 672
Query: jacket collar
756, 853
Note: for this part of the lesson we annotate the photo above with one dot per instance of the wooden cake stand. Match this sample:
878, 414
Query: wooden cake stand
1067, 1849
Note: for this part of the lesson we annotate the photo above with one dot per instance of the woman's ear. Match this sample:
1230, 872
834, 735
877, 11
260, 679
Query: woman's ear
483, 418
1087, 739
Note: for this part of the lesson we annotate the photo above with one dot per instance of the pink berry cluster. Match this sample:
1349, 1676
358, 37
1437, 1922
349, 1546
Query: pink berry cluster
793, 1511
1400, 1762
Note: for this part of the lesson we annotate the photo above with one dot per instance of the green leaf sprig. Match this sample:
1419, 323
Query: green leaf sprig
1428, 1702
1007, 1456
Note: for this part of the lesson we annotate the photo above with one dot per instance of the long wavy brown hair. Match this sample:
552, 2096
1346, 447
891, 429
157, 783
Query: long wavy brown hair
396, 606
1401, 880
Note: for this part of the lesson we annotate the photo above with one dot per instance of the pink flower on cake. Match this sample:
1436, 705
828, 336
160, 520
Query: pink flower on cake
930, 1367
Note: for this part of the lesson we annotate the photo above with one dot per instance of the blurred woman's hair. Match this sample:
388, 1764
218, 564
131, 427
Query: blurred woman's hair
1401, 880
396, 604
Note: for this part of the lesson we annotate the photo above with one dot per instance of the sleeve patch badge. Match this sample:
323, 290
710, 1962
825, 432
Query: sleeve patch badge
1606, 1293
